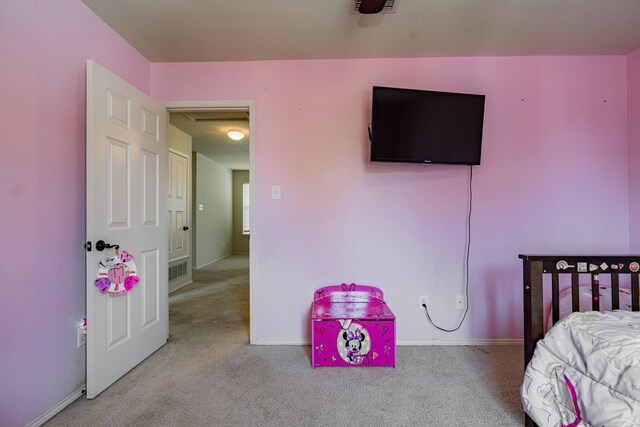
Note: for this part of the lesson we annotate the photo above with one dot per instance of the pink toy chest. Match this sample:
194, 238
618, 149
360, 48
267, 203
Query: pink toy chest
351, 325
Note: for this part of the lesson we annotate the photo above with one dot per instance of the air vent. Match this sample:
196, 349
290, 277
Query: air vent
389, 6
177, 271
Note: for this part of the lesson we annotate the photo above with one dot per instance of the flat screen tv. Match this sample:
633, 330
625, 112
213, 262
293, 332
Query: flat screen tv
425, 126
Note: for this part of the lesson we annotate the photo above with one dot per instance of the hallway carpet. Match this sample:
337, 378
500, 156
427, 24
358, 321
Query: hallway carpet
208, 375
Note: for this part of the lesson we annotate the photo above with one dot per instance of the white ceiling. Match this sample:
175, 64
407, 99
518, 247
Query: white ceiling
225, 30
209, 129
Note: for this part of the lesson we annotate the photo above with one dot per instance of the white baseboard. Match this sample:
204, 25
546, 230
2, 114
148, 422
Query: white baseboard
423, 342
51, 412
281, 342
198, 267
437, 341
180, 286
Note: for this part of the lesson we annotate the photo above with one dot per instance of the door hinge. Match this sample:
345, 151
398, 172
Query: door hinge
87, 246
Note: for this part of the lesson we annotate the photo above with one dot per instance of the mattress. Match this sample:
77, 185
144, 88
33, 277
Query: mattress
586, 372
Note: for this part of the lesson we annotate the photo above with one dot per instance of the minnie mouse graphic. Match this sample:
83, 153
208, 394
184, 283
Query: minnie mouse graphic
354, 344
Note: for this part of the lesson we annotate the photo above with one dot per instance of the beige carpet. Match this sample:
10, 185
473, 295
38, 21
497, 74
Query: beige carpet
208, 375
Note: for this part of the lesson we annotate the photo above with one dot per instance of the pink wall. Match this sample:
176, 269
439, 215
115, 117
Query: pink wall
633, 135
43, 46
553, 179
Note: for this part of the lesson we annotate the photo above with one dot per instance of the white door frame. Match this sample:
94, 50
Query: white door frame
212, 105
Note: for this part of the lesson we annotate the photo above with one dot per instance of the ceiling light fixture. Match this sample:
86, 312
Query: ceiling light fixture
236, 135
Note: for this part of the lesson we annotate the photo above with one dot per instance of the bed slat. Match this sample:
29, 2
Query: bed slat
615, 291
634, 292
555, 297
575, 292
595, 292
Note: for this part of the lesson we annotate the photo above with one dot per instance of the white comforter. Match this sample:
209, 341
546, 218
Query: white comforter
598, 356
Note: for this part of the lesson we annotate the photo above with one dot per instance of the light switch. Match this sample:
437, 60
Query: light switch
276, 192
200, 207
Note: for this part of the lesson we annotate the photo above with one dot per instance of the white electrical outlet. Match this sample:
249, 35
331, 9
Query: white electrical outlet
424, 301
460, 302
81, 336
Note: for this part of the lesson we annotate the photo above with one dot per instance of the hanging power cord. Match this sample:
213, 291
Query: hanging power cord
466, 286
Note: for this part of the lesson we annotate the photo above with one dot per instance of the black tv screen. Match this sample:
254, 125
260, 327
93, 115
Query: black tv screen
424, 126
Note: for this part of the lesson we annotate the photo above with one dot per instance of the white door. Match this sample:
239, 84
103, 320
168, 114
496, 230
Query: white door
178, 213
126, 205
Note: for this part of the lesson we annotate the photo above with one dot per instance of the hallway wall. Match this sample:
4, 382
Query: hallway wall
213, 223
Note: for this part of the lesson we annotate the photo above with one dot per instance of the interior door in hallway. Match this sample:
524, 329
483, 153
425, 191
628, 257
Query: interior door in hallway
178, 206
126, 206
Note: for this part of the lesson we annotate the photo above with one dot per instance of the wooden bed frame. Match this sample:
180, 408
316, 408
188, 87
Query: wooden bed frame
536, 266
